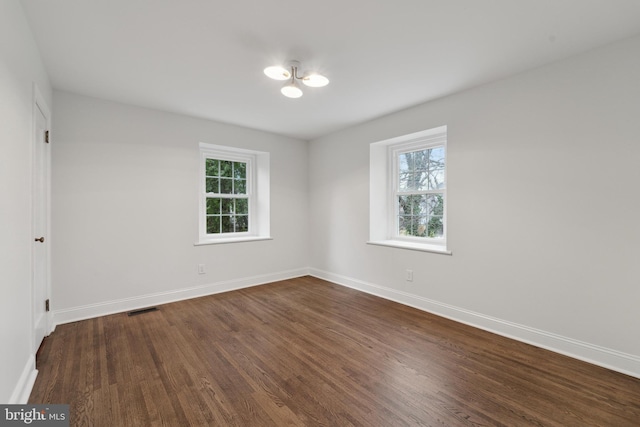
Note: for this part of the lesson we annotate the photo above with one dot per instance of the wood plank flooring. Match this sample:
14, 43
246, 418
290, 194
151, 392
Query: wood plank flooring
305, 352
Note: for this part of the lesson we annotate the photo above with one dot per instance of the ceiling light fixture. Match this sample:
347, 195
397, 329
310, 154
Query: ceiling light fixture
292, 89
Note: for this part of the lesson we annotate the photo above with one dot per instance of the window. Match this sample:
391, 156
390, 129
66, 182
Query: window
226, 195
419, 187
234, 194
408, 191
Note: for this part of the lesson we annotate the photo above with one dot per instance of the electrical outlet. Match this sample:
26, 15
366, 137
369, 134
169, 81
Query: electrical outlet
201, 269
409, 275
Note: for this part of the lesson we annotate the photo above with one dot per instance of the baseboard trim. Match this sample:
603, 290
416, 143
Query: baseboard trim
128, 304
607, 358
22, 390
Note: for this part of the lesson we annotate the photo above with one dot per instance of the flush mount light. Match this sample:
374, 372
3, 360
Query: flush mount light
292, 89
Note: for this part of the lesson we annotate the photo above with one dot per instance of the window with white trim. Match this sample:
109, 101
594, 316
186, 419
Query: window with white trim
419, 191
227, 194
408, 191
234, 194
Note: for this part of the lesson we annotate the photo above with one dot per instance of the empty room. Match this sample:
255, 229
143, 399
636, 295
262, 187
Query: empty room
360, 213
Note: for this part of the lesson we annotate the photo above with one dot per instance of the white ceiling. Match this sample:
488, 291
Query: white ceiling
204, 58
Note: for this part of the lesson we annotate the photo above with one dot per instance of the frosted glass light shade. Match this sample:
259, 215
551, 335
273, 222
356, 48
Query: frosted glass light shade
277, 73
315, 80
291, 90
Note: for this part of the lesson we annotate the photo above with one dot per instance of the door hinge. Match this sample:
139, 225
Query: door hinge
46, 305
46, 136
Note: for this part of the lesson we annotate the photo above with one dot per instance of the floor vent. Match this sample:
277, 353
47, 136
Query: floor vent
142, 311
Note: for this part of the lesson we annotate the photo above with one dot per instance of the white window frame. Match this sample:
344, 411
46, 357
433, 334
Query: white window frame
257, 193
383, 209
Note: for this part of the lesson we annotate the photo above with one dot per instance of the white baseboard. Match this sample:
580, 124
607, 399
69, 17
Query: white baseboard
127, 304
611, 359
22, 390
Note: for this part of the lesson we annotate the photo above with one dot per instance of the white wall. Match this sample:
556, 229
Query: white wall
20, 67
125, 209
544, 208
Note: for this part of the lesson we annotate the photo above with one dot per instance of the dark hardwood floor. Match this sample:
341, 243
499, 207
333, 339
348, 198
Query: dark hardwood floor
305, 352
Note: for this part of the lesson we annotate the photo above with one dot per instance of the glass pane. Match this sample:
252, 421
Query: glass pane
212, 167
415, 225
421, 226
213, 185
227, 224
242, 206
404, 225
226, 168
406, 171
213, 206
240, 186
411, 205
405, 162
404, 207
416, 180
427, 204
404, 181
421, 170
227, 206
432, 204
421, 215
421, 160
226, 186
436, 179
213, 224
436, 168
240, 170
435, 228
421, 180
413, 170
436, 157
418, 205
242, 223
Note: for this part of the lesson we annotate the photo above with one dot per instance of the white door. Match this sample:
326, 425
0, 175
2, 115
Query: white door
40, 224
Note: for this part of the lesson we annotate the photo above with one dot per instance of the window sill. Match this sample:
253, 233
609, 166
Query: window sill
436, 249
232, 240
